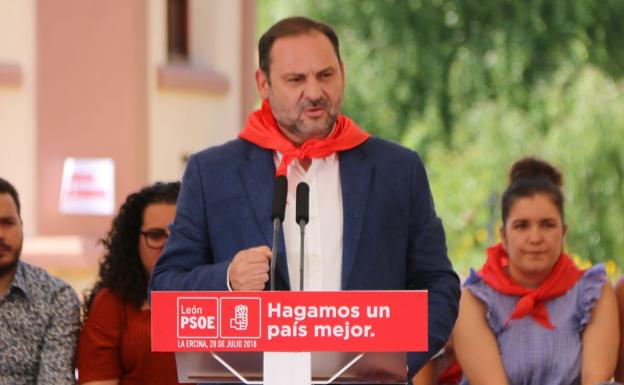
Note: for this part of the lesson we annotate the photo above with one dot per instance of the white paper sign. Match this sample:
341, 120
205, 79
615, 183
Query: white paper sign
88, 186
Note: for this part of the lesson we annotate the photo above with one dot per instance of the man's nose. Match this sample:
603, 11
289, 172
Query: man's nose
313, 89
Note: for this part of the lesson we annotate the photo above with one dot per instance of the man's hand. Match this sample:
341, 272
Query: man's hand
249, 270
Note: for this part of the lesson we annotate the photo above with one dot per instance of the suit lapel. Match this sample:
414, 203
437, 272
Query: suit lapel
355, 179
258, 175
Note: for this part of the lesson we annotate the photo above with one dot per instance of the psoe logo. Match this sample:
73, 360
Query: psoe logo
198, 317
240, 317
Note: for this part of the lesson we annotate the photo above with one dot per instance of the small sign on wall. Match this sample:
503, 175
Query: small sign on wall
88, 186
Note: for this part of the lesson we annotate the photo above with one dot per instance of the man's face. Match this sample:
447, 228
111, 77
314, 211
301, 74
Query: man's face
305, 85
11, 235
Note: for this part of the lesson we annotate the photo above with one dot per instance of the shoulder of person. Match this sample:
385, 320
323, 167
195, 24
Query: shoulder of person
46, 288
594, 276
225, 151
619, 287
378, 148
107, 300
44, 282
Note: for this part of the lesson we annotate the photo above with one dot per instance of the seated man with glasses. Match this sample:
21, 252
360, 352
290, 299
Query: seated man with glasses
115, 342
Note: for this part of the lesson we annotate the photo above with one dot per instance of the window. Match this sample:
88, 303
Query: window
177, 31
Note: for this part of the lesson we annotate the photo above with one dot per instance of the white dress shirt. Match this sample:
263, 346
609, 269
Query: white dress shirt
323, 233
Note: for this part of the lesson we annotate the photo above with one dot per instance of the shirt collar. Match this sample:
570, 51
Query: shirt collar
20, 281
329, 159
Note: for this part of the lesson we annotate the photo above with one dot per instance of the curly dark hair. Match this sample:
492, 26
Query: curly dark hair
121, 269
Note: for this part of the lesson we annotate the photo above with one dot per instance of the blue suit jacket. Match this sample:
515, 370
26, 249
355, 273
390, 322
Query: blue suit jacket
392, 238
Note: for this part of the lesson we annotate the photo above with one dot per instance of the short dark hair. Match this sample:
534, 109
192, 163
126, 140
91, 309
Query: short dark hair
529, 176
292, 26
7, 188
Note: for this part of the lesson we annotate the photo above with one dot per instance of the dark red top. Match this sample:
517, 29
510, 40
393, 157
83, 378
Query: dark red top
115, 343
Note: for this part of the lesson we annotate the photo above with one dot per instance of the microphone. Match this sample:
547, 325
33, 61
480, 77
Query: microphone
302, 217
279, 198
278, 210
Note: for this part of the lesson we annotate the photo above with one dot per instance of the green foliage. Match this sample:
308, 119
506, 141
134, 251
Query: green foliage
474, 85
585, 138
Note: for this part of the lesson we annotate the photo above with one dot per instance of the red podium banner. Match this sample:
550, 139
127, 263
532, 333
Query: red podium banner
289, 321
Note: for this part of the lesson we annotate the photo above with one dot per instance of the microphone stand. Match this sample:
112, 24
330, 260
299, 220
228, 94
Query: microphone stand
280, 193
302, 217
302, 224
276, 226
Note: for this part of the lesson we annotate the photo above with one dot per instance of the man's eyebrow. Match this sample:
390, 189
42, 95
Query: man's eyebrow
330, 68
326, 69
291, 74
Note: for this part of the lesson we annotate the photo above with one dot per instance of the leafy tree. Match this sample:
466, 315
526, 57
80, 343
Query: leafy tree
474, 85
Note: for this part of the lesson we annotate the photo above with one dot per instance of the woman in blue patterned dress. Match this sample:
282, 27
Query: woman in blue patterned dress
530, 316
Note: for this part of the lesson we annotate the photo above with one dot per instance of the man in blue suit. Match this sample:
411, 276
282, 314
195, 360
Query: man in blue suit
372, 220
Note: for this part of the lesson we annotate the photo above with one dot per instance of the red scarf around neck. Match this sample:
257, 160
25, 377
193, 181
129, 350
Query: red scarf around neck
262, 130
562, 278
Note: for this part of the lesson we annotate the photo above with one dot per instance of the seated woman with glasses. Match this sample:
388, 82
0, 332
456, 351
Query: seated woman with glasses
530, 316
115, 343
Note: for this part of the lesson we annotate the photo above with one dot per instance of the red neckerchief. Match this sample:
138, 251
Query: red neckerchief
562, 278
262, 130
452, 375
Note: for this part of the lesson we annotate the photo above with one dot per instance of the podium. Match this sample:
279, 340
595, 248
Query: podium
290, 338
326, 367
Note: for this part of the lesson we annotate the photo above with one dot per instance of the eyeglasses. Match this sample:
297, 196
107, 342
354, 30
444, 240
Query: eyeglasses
155, 238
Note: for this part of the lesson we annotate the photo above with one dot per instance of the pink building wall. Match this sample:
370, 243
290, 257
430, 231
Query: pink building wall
91, 100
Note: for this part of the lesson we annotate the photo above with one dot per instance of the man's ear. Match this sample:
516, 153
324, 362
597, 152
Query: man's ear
262, 82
